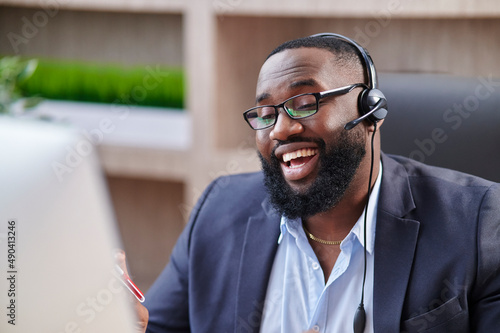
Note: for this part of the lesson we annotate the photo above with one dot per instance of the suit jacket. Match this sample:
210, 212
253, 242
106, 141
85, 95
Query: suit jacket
437, 255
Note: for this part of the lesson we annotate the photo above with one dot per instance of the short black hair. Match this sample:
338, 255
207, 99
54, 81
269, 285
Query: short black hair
345, 53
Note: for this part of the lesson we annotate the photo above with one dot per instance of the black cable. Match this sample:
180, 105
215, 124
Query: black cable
360, 315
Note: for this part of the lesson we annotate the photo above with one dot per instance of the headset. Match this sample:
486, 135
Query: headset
372, 103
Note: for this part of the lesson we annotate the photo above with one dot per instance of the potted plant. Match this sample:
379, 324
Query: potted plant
14, 71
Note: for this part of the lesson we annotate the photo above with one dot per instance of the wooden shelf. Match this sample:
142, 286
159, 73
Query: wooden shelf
280, 8
144, 163
362, 9
140, 142
149, 6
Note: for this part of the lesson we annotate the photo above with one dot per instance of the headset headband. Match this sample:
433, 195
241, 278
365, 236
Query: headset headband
370, 67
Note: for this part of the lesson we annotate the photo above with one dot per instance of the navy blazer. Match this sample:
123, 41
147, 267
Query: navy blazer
437, 256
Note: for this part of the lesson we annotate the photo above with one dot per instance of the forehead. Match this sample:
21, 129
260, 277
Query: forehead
284, 72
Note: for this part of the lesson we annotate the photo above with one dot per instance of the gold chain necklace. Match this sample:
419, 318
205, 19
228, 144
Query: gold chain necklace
319, 240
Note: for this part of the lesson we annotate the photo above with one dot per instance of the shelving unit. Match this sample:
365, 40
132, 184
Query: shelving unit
222, 44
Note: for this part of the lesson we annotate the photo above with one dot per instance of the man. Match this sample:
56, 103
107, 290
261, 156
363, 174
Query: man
301, 245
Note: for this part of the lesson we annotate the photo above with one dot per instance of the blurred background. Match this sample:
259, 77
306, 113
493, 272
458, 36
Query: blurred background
159, 87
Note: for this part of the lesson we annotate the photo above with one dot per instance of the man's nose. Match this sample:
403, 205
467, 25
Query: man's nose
285, 127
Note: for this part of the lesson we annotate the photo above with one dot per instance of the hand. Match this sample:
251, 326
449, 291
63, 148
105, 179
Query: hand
140, 310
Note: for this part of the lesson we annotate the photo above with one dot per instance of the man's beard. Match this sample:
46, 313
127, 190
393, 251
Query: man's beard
336, 171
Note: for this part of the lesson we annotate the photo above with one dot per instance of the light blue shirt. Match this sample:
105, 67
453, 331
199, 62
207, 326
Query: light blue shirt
297, 297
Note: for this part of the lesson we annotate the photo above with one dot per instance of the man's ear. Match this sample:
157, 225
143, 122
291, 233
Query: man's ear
371, 126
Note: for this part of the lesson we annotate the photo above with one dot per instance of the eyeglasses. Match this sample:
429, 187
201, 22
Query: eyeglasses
296, 107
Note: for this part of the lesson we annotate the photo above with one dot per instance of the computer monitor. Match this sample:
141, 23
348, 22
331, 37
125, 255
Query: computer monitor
57, 234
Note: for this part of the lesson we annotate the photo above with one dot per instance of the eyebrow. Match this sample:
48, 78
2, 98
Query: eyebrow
262, 97
302, 83
293, 85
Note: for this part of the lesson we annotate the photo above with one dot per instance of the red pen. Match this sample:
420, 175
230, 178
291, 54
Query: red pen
125, 279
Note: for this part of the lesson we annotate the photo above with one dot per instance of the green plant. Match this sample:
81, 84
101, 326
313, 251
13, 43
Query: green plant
107, 83
13, 73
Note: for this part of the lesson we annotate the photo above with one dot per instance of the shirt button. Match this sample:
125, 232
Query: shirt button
316, 328
315, 265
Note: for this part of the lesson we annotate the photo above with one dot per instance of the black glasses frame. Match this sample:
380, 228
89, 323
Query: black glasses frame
318, 95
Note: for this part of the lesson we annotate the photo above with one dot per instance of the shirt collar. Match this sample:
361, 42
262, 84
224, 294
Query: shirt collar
371, 221
293, 226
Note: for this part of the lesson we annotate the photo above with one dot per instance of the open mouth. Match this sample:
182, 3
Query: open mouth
299, 163
298, 158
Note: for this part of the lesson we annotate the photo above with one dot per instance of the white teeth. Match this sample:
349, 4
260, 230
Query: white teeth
299, 153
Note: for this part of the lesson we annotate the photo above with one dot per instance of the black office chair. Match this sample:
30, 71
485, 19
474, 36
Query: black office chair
444, 120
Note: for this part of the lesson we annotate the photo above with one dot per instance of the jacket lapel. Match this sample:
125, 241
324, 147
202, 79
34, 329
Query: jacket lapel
395, 242
259, 249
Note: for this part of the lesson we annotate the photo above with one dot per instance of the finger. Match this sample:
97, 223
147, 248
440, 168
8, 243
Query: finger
121, 260
141, 311
142, 317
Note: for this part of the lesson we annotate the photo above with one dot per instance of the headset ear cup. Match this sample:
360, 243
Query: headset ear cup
362, 105
368, 99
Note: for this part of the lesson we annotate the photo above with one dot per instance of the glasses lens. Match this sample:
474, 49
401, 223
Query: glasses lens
261, 117
301, 106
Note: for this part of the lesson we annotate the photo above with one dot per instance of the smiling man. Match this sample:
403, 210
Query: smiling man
333, 235
317, 174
